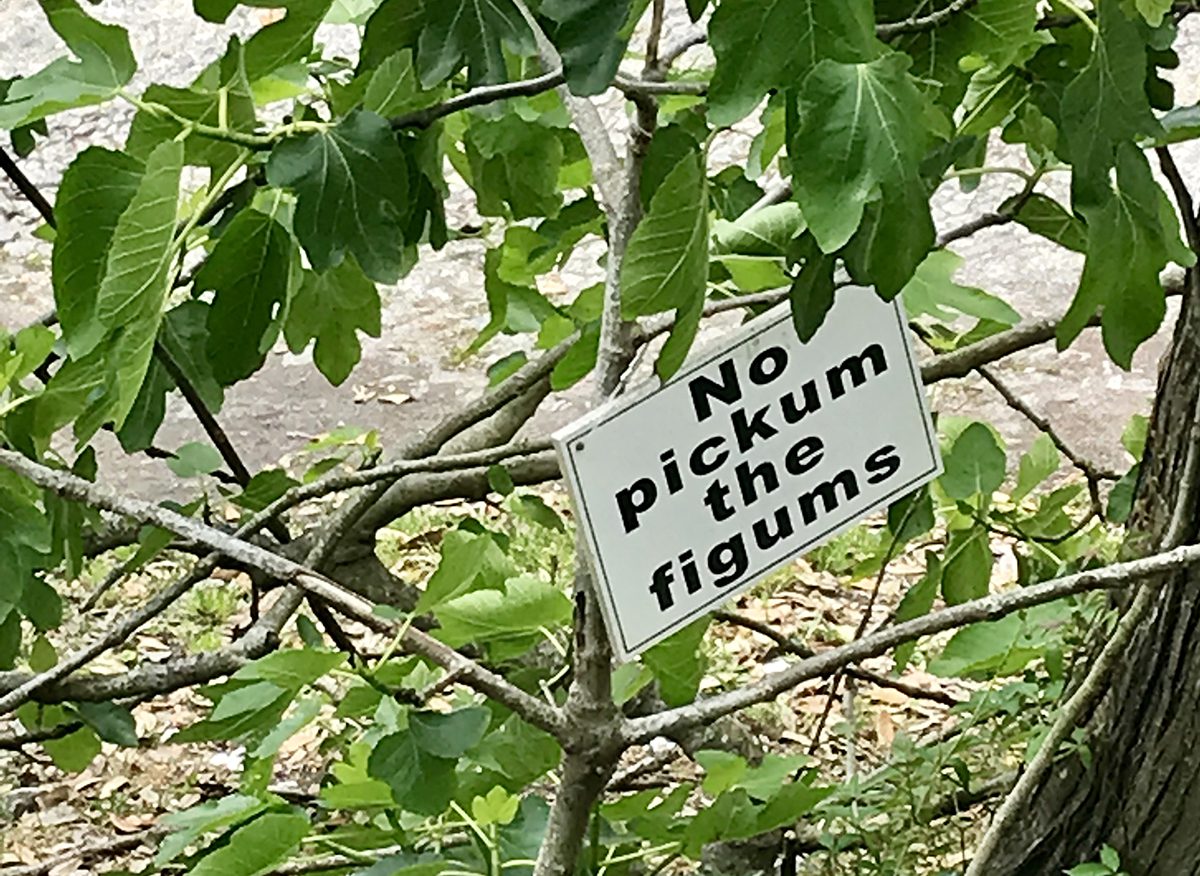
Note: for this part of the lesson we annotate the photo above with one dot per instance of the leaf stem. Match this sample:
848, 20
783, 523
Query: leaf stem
982, 171
250, 141
1079, 13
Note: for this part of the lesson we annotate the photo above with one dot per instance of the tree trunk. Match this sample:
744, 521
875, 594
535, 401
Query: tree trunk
1141, 793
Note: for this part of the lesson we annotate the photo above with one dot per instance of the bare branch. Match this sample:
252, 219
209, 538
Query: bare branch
634, 88
1183, 197
674, 51
988, 608
479, 96
918, 24
30, 192
791, 646
68, 485
986, 220
87, 854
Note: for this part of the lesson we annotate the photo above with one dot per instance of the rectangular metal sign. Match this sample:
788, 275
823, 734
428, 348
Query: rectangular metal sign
689, 493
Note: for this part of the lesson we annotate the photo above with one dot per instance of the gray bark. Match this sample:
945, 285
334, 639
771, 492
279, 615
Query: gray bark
1141, 793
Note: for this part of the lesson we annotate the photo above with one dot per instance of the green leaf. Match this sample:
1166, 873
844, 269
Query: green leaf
786, 807
917, 602
578, 361
1127, 248
468, 561
765, 232
291, 669
1120, 498
136, 276
419, 781
974, 465
193, 459
184, 334
500, 480
305, 711
666, 264
251, 699
856, 131
458, 32
498, 807
149, 408
754, 273
248, 271
811, 293
264, 488
932, 291
1105, 104
587, 34
911, 516
394, 88
284, 41
515, 165
1108, 855
505, 367
519, 751
1037, 464
1045, 216
722, 770
96, 189
678, 663
105, 63
73, 752
514, 308
220, 97
333, 307
967, 572
193, 823
998, 31
996, 647
351, 185
765, 45
449, 734
111, 722
523, 607
534, 509
131, 296
255, 847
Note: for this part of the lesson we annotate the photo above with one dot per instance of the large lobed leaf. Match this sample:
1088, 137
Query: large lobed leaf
351, 185
766, 44
105, 63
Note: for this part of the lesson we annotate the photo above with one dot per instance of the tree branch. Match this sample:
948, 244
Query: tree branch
537, 712
918, 24
988, 608
791, 646
479, 96
26, 188
1183, 197
86, 854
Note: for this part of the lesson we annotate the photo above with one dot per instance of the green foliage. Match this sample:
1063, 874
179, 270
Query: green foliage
268, 197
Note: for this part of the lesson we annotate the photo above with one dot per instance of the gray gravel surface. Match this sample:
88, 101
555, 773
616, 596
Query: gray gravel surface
411, 375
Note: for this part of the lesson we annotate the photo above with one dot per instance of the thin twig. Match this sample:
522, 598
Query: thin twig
479, 96
69, 486
674, 51
918, 24
987, 608
27, 188
1183, 197
790, 646
1092, 472
85, 854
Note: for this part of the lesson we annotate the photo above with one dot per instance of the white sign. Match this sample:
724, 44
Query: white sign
689, 493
